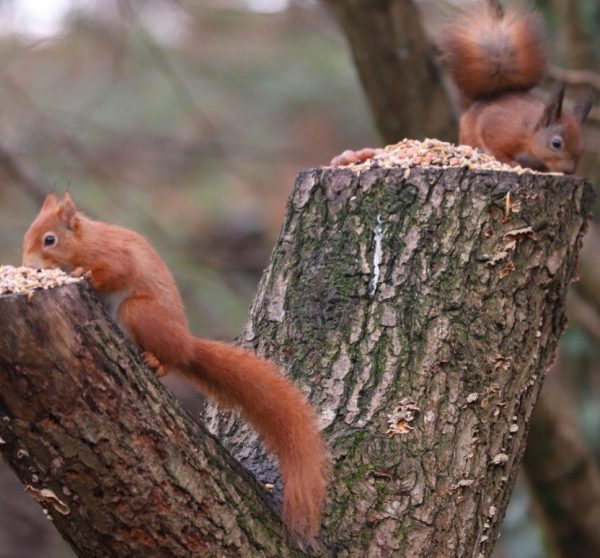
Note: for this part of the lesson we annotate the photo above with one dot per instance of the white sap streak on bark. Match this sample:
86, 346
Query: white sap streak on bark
378, 233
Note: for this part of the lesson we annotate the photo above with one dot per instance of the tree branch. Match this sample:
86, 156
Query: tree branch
396, 67
24, 174
120, 468
562, 472
586, 78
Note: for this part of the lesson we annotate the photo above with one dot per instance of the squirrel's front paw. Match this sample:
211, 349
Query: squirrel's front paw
80, 272
349, 157
153, 362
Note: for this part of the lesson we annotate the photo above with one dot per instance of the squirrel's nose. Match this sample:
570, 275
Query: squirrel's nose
33, 260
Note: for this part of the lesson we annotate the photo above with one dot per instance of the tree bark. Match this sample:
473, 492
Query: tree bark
419, 310
120, 468
397, 69
420, 317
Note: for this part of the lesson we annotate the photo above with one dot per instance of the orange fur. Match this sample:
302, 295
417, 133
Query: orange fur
141, 294
488, 53
495, 56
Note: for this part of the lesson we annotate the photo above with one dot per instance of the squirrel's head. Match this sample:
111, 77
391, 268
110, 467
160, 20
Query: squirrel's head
558, 141
51, 240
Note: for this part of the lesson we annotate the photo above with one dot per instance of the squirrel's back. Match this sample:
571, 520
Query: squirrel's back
490, 51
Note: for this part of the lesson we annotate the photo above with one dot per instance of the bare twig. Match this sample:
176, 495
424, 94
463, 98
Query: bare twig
562, 472
57, 133
583, 312
586, 78
26, 175
186, 98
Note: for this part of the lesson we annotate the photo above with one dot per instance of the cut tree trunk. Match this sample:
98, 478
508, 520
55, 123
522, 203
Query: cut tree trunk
418, 309
120, 468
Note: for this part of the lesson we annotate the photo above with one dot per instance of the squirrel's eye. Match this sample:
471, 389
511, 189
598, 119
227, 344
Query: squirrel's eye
49, 239
556, 142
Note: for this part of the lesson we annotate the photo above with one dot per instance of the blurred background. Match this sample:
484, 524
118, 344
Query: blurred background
188, 121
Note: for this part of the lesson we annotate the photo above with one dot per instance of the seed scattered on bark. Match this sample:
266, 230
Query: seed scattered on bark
26, 280
428, 153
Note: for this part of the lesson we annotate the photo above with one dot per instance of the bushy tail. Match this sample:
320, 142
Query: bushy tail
489, 50
279, 413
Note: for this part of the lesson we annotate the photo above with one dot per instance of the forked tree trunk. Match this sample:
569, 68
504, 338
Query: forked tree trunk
419, 311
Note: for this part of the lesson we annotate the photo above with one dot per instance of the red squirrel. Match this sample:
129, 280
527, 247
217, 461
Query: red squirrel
140, 294
495, 56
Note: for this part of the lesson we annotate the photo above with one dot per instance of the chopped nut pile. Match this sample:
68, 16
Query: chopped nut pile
20, 280
429, 153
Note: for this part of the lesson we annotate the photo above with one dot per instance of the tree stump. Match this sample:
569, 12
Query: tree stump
418, 308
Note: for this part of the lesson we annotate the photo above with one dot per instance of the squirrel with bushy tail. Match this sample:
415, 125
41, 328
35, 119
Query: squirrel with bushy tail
495, 56
140, 294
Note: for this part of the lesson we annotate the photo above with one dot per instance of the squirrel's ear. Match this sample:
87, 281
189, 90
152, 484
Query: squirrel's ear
496, 8
553, 108
583, 106
68, 212
50, 200
67, 198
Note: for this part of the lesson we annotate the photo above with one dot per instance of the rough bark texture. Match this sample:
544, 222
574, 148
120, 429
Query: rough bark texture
396, 67
419, 310
419, 315
120, 468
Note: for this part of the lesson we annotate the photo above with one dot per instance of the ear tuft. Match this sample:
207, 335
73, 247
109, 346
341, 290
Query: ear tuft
553, 108
50, 201
583, 106
68, 212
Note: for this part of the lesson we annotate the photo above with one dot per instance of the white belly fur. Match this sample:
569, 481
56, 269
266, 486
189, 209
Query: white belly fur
111, 303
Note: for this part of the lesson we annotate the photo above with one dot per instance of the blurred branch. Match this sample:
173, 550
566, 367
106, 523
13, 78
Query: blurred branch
161, 61
583, 312
563, 474
181, 90
572, 44
57, 133
589, 267
24, 174
397, 68
586, 78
